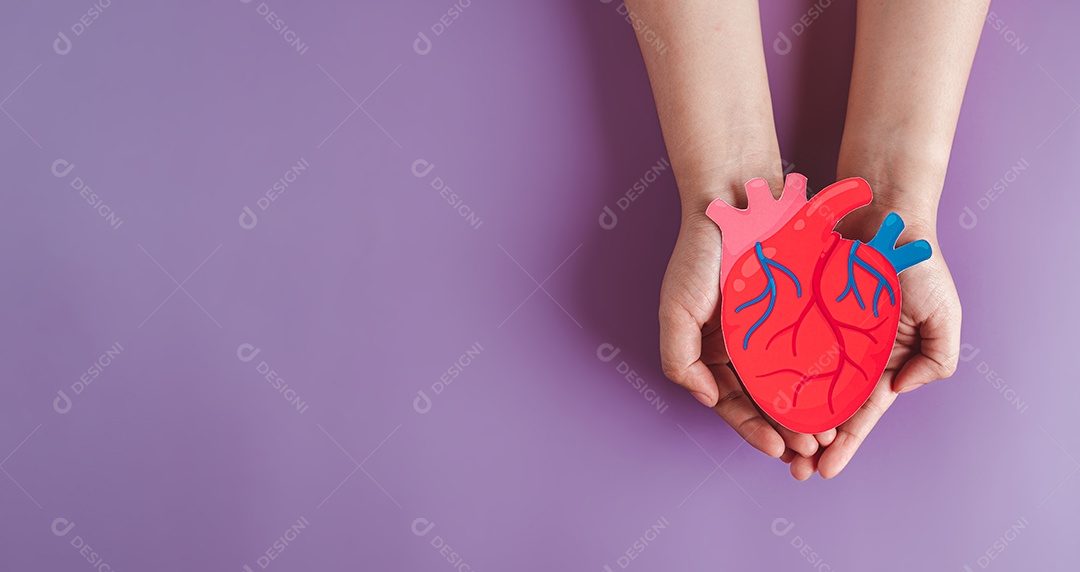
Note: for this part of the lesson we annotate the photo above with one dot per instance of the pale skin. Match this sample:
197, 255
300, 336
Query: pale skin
912, 60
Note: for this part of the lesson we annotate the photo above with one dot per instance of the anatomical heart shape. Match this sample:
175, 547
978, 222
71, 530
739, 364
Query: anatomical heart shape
809, 317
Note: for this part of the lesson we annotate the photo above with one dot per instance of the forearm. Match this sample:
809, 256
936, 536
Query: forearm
707, 70
912, 60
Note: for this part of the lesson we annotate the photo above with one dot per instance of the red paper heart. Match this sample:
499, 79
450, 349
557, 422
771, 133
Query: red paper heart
809, 317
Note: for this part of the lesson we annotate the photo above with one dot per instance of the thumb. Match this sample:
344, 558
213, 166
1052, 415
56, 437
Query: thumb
680, 355
938, 355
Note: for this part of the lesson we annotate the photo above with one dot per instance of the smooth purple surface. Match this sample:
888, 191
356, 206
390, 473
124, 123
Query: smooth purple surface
362, 286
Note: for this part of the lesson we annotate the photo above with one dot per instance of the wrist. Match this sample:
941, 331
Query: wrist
896, 149
907, 183
726, 179
919, 216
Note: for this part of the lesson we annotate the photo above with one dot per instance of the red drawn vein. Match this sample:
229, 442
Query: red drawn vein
794, 327
818, 271
836, 327
866, 331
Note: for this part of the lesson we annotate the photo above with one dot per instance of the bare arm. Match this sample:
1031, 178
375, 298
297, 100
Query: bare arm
912, 60
707, 68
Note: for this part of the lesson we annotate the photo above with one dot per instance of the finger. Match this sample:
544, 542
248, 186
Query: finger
851, 434
714, 352
826, 438
680, 355
788, 456
713, 347
939, 350
802, 443
803, 468
738, 411
905, 348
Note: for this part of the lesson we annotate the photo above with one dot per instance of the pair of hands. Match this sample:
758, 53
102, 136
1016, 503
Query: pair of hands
707, 67
693, 354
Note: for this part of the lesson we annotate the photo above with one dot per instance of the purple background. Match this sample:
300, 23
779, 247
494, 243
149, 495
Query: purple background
361, 286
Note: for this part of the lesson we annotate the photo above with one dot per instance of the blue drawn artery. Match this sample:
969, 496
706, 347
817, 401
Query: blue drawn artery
770, 290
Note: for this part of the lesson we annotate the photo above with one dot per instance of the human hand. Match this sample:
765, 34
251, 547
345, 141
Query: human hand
927, 344
692, 348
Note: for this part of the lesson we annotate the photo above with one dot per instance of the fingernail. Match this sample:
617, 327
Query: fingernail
704, 399
912, 387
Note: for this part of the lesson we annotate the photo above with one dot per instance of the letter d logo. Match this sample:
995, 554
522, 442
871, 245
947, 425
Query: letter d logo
61, 168
422, 403
968, 220
607, 352
247, 352
608, 219
248, 220
62, 403
420, 168
782, 526
62, 526
421, 45
61, 45
422, 526
781, 45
